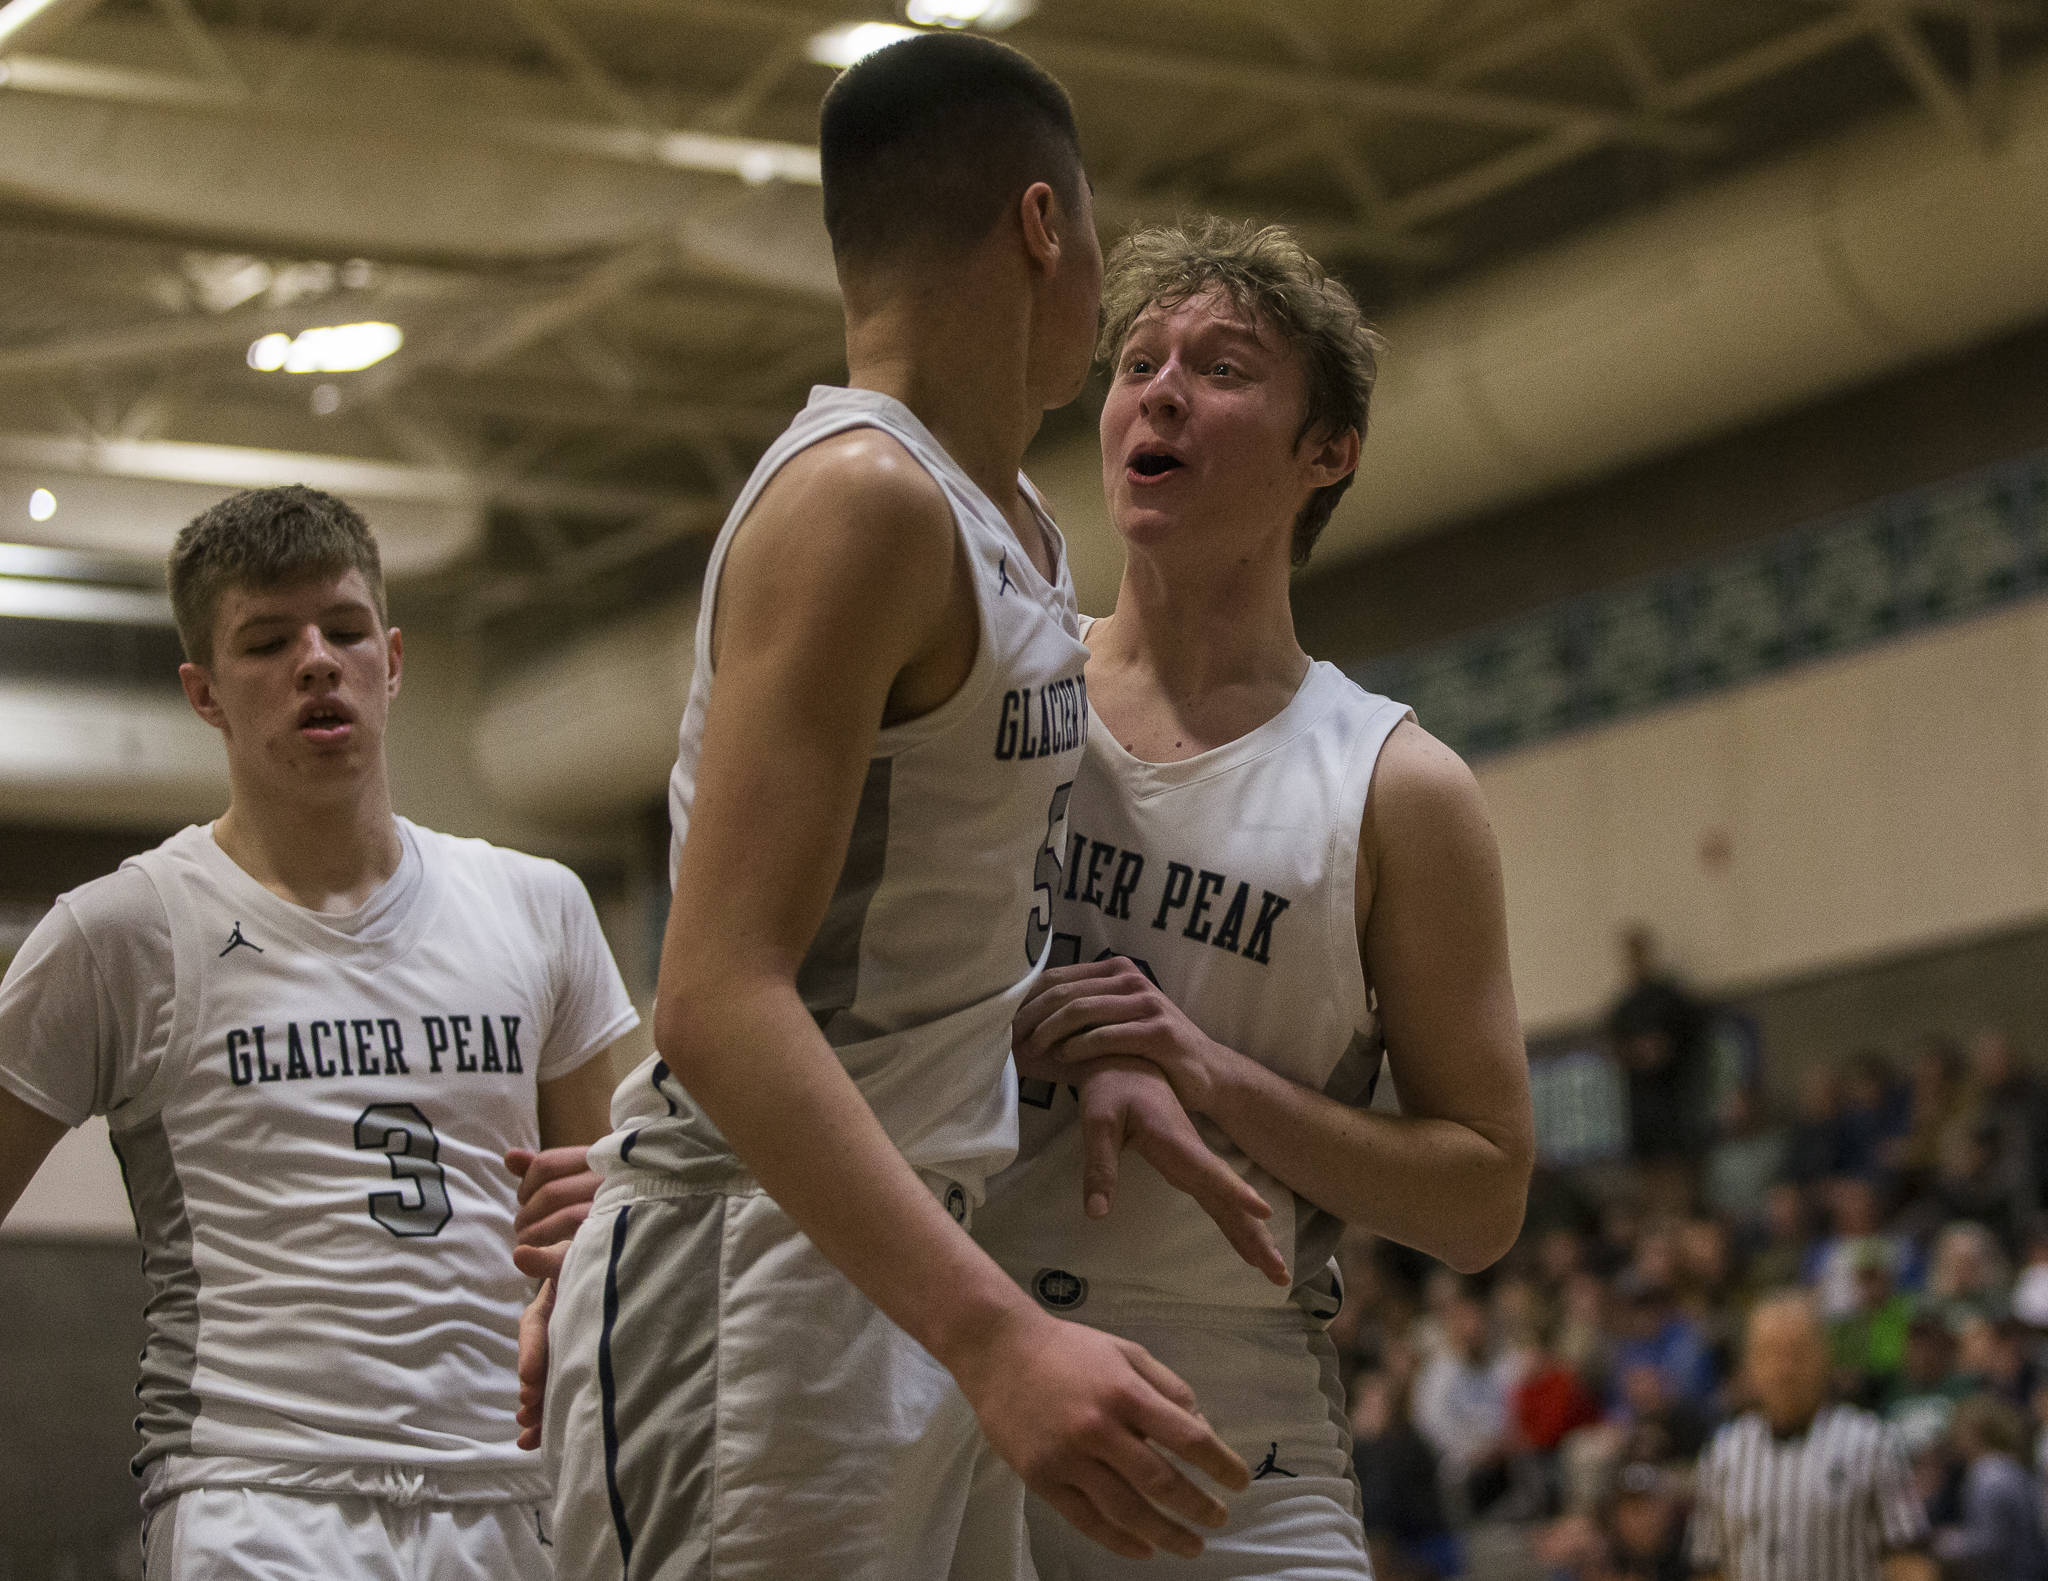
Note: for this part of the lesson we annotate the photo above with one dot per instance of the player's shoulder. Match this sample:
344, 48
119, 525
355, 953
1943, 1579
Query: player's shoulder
1418, 776
468, 856
123, 905
863, 489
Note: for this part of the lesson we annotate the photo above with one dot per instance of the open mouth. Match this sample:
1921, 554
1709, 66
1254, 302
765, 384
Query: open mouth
322, 723
1154, 463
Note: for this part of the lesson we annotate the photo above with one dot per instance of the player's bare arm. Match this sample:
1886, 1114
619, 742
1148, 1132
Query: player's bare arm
556, 1189
26, 1137
843, 604
1449, 1174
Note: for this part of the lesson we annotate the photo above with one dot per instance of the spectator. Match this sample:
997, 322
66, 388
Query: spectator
1966, 1276
1741, 1165
1923, 1397
1796, 1488
1814, 1149
2030, 1292
1645, 1526
1461, 1408
1870, 1342
1999, 1536
1853, 1203
1787, 1248
1652, 1332
1582, 1338
1550, 1402
1397, 1481
1659, 1033
1976, 1180
1935, 1094
1662, 1425
1876, 1113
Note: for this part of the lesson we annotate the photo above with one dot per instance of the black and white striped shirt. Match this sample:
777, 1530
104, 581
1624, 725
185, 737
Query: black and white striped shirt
1824, 1505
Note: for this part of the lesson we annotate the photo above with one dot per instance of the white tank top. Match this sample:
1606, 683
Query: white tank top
1232, 877
314, 1165
942, 911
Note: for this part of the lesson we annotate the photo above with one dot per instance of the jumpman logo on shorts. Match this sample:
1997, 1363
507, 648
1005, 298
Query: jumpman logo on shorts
236, 938
1271, 1467
1004, 584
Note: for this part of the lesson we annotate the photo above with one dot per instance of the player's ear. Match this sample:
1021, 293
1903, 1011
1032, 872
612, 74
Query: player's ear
1044, 224
395, 644
198, 683
1331, 457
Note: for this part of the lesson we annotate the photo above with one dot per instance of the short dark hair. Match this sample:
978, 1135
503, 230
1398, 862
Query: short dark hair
1266, 275
930, 140
264, 538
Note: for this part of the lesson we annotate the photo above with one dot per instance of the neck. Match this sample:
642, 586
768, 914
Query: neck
957, 353
1797, 1422
313, 854
1201, 626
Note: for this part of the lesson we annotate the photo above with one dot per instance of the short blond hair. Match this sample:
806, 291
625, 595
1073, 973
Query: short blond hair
1269, 277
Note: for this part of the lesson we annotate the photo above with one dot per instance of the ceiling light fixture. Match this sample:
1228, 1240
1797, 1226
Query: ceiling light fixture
332, 348
42, 505
840, 47
990, 16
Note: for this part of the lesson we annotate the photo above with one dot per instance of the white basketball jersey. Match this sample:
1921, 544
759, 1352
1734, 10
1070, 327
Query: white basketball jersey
942, 910
315, 1164
1231, 878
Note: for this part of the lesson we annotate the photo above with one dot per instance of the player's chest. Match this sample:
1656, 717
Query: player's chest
434, 1018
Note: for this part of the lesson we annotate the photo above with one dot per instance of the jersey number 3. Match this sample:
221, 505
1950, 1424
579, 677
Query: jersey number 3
406, 1137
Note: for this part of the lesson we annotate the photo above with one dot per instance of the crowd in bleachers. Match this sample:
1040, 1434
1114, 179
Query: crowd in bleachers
1572, 1389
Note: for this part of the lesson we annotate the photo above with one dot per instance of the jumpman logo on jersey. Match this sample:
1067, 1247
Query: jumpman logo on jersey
1004, 584
236, 938
1271, 1467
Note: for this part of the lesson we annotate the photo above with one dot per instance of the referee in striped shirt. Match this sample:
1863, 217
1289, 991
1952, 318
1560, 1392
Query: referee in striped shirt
1800, 1490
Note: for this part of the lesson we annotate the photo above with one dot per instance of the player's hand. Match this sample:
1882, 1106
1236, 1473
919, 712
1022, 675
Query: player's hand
1097, 1009
533, 1363
556, 1188
1127, 1103
1083, 1417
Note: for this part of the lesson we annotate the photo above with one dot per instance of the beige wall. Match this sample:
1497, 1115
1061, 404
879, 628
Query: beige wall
1887, 802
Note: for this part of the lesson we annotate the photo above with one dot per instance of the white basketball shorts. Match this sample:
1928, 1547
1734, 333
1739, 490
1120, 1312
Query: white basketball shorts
725, 1406
1267, 1382
234, 1533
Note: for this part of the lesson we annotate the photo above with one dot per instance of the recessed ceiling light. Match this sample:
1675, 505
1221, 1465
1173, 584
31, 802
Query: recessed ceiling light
42, 505
840, 47
991, 16
332, 348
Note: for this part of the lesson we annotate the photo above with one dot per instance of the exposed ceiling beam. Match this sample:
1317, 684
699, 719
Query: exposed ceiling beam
150, 341
242, 467
128, 148
1908, 50
642, 414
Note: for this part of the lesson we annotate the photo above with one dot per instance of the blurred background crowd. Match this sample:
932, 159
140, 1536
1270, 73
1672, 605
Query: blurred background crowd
1570, 1392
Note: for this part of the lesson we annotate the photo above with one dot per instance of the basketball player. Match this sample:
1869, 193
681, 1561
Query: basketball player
774, 1336
314, 1029
1269, 876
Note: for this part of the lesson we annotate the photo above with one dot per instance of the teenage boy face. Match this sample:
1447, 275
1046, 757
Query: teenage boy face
1199, 431
300, 683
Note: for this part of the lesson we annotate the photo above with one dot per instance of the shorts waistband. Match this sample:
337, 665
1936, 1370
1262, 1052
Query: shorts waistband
390, 1481
1081, 1301
717, 1178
